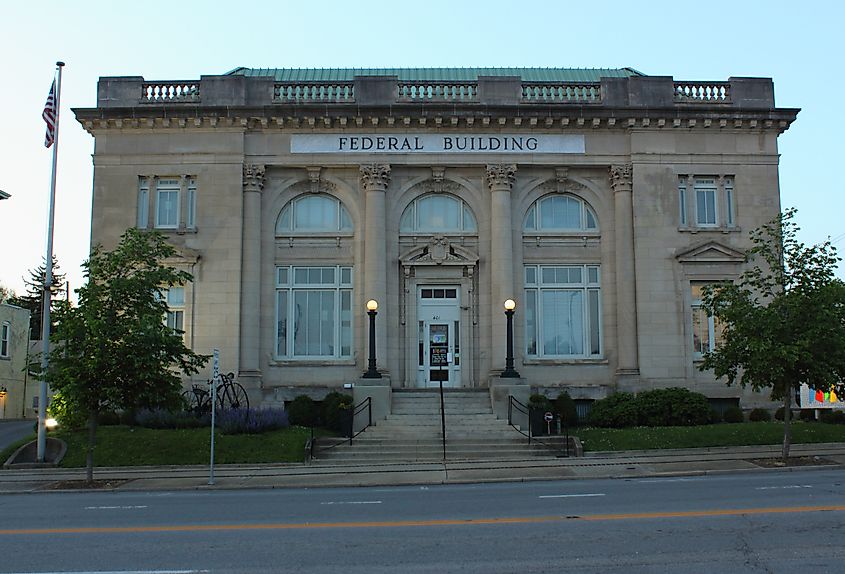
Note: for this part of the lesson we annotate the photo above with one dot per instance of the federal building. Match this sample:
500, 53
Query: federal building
600, 201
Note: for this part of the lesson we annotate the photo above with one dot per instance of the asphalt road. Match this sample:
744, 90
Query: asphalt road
762, 522
14, 430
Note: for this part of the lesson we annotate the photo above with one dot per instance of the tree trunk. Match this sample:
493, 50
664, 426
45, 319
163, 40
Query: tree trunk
787, 431
92, 441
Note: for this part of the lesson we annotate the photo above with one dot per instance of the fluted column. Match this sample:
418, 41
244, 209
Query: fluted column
374, 181
500, 180
621, 181
253, 183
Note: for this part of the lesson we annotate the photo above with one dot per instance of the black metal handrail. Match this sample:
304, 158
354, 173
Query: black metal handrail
352, 412
528, 411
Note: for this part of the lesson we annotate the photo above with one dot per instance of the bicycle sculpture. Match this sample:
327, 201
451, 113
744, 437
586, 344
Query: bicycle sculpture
230, 395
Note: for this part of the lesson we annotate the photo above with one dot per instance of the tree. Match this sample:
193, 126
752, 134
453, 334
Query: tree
6, 294
113, 350
783, 319
33, 299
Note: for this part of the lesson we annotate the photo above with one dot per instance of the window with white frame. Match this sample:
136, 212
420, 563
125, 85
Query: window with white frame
706, 330
560, 213
175, 298
170, 200
313, 312
709, 198
313, 214
563, 311
438, 213
5, 339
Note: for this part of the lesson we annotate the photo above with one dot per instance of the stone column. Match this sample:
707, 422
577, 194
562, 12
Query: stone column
500, 180
250, 339
374, 181
621, 181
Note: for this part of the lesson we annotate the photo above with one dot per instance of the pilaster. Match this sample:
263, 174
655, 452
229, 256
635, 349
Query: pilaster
375, 178
249, 352
621, 182
500, 179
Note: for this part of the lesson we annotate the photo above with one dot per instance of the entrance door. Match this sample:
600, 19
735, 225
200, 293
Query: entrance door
438, 339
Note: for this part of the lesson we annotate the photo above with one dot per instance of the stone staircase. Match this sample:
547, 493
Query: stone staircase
412, 432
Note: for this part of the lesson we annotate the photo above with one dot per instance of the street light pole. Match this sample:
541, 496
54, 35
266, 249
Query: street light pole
371, 372
509, 372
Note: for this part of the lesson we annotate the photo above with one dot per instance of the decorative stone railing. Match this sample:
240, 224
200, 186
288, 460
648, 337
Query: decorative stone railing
703, 92
314, 92
158, 92
561, 93
437, 91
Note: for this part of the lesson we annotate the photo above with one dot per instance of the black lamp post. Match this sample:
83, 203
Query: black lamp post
371, 372
509, 372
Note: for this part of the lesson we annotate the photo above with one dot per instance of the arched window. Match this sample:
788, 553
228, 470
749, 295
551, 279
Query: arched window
313, 213
437, 214
560, 213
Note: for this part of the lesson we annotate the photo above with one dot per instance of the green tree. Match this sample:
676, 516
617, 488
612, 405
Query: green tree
6, 294
783, 319
33, 299
113, 350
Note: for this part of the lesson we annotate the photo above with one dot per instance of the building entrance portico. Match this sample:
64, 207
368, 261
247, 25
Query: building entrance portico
439, 335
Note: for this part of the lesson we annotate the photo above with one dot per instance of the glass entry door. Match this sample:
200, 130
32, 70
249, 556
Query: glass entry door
439, 338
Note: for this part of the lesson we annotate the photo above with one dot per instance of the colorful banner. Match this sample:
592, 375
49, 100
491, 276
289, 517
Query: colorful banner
815, 399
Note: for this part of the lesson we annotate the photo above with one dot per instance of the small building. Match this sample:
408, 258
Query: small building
599, 200
15, 388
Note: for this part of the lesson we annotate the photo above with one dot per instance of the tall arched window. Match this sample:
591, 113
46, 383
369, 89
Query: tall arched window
560, 213
438, 214
313, 214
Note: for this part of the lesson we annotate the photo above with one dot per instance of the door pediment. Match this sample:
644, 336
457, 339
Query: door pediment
439, 250
711, 252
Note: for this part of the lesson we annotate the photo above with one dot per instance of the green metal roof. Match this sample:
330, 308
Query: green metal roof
436, 74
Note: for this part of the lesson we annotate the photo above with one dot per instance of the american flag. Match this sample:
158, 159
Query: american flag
49, 114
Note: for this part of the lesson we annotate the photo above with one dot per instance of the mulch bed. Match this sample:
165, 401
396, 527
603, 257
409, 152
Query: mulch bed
792, 461
104, 484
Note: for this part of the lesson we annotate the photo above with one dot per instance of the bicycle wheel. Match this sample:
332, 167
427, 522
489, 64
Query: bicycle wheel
196, 401
232, 396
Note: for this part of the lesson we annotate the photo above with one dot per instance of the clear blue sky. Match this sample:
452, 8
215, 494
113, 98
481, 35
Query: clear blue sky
798, 44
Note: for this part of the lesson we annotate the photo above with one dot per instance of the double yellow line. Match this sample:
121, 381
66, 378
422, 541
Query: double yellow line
424, 523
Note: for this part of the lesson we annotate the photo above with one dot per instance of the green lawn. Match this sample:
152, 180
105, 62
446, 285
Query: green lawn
137, 446
727, 434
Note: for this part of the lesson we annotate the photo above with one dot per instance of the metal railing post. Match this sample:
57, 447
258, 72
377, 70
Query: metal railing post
443, 418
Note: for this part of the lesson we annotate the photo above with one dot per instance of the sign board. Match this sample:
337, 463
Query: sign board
439, 356
811, 398
422, 143
549, 417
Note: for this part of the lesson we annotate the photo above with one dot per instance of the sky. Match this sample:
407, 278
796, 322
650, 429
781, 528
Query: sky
798, 44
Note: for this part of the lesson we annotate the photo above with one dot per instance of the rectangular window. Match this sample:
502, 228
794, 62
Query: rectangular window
176, 308
706, 330
191, 204
174, 202
729, 201
167, 203
563, 311
5, 336
314, 312
705, 203
143, 203
682, 201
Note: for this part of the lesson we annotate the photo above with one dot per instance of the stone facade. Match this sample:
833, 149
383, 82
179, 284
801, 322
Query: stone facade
14, 339
598, 206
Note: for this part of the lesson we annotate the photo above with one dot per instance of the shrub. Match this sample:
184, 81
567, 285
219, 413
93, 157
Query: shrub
251, 421
69, 415
807, 415
165, 419
302, 411
675, 406
615, 411
541, 402
715, 416
759, 415
733, 415
779, 414
832, 417
335, 410
108, 418
127, 417
565, 406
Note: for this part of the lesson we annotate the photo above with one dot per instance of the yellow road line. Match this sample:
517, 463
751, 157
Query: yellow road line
417, 523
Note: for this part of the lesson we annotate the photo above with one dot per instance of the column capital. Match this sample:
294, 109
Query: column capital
500, 177
375, 176
253, 177
621, 177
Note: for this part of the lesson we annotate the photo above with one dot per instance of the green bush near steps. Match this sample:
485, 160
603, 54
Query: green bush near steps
659, 407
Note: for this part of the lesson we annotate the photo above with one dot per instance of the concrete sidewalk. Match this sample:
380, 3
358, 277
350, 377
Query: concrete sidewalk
628, 464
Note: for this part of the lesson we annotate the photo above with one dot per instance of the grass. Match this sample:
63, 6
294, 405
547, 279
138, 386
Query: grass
10, 450
727, 434
137, 446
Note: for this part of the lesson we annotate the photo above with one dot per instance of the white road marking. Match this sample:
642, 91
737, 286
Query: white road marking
783, 487
659, 480
119, 572
571, 495
116, 508
354, 502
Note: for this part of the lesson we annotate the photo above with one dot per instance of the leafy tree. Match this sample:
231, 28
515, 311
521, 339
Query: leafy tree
6, 294
784, 318
33, 299
113, 351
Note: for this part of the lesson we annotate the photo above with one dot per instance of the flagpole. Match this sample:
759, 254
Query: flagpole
47, 296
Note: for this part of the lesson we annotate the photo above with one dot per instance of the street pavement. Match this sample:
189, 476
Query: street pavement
12, 430
627, 464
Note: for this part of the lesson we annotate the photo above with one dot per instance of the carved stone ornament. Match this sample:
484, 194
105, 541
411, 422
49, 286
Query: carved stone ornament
375, 176
434, 186
316, 183
253, 177
621, 177
501, 175
438, 250
438, 174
